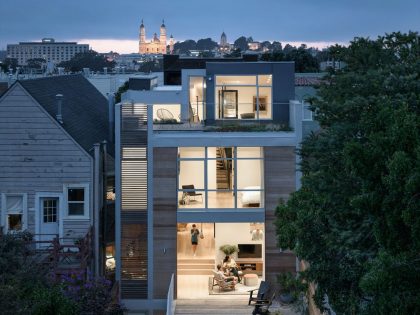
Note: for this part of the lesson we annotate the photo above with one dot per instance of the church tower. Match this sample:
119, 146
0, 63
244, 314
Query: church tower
162, 37
223, 40
171, 44
142, 38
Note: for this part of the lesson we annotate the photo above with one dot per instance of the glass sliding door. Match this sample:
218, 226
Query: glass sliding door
229, 104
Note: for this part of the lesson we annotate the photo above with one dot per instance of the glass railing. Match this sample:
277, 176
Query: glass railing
239, 117
220, 199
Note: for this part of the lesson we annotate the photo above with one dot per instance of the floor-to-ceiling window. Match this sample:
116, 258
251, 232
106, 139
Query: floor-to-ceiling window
243, 97
220, 177
197, 101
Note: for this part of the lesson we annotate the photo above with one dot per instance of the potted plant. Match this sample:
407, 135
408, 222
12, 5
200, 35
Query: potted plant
292, 289
228, 249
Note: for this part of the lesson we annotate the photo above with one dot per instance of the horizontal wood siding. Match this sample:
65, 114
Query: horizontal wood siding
75, 228
280, 181
164, 219
36, 155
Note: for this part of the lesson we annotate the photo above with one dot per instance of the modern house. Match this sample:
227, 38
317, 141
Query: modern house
215, 147
55, 141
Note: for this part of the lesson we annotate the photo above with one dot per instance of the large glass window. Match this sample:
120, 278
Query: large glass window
197, 98
220, 177
243, 97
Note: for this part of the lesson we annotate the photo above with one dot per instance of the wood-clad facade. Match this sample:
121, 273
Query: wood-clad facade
280, 182
38, 157
164, 218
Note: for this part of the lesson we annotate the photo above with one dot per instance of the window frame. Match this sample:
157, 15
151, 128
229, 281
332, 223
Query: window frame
4, 213
86, 214
257, 88
206, 190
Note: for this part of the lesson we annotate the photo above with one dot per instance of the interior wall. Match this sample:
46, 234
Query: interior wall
174, 109
232, 234
191, 173
246, 99
249, 173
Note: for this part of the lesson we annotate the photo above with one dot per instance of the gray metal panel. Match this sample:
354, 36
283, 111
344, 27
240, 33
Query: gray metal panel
133, 253
283, 84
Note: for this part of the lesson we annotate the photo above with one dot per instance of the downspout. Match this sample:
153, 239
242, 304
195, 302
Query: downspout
96, 205
104, 215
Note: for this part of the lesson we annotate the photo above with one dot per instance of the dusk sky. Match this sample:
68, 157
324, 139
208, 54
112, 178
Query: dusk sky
113, 25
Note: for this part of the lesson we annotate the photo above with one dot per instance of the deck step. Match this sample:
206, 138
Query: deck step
195, 261
197, 272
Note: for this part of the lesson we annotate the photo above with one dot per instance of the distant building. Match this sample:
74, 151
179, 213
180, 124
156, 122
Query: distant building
336, 65
254, 46
224, 46
3, 54
47, 49
156, 45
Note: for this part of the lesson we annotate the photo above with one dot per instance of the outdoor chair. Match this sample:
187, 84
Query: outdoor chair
262, 290
262, 306
191, 193
164, 114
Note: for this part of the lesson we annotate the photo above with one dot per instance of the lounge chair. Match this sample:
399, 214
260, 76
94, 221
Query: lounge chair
222, 283
191, 193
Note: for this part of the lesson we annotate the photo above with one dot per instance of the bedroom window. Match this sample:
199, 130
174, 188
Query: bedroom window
220, 178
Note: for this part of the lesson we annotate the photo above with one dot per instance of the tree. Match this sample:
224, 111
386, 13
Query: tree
36, 63
90, 59
304, 61
150, 66
276, 46
9, 63
206, 44
355, 218
241, 43
185, 46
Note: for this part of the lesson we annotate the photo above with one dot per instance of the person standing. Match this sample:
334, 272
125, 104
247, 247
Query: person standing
194, 238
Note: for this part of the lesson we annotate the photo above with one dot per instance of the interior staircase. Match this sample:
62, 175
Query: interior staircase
222, 173
196, 266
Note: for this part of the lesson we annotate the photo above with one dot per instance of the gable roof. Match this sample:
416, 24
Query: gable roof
84, 108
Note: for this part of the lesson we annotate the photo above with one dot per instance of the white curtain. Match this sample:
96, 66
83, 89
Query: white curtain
14, 204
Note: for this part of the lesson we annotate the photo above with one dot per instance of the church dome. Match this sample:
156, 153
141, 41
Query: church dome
141, 25
163, 23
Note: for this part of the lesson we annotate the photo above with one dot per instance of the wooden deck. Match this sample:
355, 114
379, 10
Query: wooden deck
223, 305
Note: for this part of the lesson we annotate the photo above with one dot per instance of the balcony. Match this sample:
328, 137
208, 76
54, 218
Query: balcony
177, 117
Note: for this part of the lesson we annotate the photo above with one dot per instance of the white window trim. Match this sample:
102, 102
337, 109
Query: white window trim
305, 106
85, 186
38, 210
4, 214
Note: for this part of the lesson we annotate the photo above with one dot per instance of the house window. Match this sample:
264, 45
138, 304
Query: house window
243, 97
14, 212
307, 113
50, 210
76, 201
220, 177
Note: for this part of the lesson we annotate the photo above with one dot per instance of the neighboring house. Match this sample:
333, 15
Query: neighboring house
306, 85
179, 163
52, 158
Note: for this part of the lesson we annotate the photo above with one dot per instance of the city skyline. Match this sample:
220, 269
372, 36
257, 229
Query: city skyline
317, 24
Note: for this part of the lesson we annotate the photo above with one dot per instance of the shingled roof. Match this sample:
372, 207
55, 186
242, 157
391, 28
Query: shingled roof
84, 108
